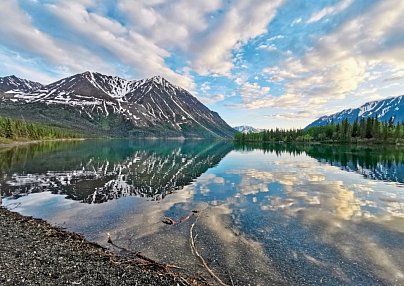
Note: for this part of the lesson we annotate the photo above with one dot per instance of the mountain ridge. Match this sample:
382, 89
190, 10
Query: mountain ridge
12, 82
383, 110
148, 107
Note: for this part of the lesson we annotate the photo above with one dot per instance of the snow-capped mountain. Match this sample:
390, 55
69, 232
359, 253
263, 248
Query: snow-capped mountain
246, 129
383, 110
147, 107
12, 82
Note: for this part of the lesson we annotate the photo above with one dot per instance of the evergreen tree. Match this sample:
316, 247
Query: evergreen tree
8, 131
397, 131
344, 130
362, 128
369, 128
355, 129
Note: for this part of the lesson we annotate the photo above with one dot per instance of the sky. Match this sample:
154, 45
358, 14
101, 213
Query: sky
278, 63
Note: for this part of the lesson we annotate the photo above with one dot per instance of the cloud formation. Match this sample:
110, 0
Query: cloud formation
275, 56
341, 63
331, 10
241, 22
18, 33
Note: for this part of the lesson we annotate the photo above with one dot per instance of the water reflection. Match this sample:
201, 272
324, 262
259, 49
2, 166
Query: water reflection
317, 223
97, 171
375, 162
272, 214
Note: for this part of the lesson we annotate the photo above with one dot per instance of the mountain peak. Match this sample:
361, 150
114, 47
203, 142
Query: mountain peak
158, 79
151, 106
158, 82
87, 73
12, 82
10, 77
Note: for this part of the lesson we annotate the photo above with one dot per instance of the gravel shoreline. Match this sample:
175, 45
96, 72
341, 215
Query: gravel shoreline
32, 252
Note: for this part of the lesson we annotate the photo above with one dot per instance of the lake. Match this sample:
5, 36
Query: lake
258, 214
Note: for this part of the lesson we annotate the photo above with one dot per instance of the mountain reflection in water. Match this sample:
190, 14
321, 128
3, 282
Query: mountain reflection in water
268, 214
384, 163
97, 171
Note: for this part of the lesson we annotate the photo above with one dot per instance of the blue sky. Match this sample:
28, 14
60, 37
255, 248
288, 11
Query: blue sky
279, 63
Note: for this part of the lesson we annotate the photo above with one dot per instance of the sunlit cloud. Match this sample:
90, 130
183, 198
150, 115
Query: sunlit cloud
275, 56
341, 63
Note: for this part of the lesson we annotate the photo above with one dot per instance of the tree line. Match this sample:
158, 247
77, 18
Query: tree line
12, 129
363, 130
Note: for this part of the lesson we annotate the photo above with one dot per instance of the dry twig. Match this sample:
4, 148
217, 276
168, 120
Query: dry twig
195, 251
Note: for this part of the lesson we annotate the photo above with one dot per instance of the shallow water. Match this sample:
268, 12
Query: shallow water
266, 214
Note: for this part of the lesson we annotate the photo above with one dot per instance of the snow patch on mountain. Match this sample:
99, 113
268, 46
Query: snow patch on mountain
146, 103
246, 129
12, 83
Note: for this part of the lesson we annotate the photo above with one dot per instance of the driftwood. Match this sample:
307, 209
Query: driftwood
194, 250
142, 260
196, 253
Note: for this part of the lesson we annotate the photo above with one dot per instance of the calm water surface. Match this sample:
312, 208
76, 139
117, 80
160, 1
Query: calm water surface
266, 215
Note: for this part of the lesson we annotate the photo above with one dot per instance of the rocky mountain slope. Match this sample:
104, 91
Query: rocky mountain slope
383, 110
110, 105
12, 82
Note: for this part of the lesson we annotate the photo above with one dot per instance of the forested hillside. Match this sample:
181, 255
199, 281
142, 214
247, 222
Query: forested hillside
368, 130
20, 130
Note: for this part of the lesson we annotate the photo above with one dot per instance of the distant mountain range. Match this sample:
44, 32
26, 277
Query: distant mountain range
246, 129
383, 110
94, 103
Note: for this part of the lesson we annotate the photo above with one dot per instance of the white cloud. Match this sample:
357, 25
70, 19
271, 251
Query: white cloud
18, 33
291, 115
13, 63
122, 42
240, 80
343, 62
251, 91
255, 96
276, 38
269, 48
211, 99
331, 10
296, 21
362, 56
90, 32
205, 87
151, 31
206, 97
244, 21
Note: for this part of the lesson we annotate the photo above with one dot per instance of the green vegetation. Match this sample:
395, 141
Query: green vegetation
368, 130
19, 130
69, 118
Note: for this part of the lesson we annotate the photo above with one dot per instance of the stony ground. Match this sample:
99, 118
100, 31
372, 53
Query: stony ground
32, 252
